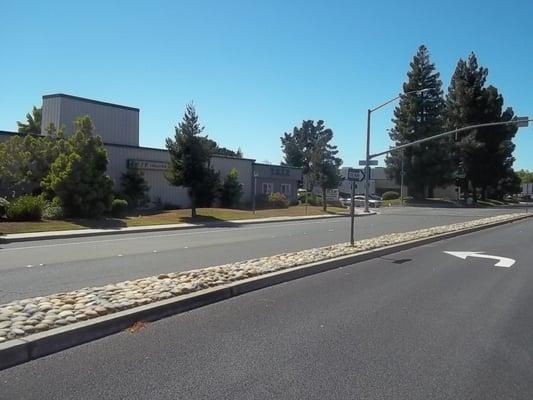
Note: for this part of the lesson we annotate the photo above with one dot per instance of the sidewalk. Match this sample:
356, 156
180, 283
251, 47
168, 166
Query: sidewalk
23, 237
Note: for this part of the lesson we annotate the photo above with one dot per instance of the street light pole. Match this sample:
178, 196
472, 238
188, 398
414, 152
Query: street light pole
367, 167
401, 182
254, 191
369, 112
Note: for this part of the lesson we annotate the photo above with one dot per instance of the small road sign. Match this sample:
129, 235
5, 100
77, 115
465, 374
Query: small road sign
522, 122
356, 175
370, 162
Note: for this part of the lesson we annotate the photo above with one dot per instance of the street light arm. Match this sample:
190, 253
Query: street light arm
466, 128
397, 97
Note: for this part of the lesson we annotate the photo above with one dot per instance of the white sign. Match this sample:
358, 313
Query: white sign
502, 261
356, 175
332, 194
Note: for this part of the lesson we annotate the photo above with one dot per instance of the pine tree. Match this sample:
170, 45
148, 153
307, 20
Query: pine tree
134, 187
231, 189
486, 153
418, 116
189, 157
78, 176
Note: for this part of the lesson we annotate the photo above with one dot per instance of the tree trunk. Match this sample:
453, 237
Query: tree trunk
193, 204
324, 202
484, 193
430, 191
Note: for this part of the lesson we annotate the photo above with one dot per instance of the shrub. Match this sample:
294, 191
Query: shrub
53, 209
314, 200
294, 203
26, 208
278, 200
119, 207
4, 205
390, 196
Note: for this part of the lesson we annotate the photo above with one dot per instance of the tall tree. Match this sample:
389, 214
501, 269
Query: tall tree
525, 175
486, 153
419, 115
78, 176
308, 147
189, 156
215, 149
33, 122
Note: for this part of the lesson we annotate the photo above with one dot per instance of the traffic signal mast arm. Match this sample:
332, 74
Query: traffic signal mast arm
521, 121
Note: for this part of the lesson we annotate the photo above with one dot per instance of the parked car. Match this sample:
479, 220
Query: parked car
359, 201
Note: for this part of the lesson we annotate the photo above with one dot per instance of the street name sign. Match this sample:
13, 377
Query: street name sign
370, 162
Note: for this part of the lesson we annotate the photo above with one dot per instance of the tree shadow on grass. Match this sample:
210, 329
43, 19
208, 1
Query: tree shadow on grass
100, 223
205, 220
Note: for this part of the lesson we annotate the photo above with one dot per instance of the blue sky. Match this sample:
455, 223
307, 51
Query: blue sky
255, 69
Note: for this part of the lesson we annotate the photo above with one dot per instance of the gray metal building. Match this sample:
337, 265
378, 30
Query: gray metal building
119, 128
277, 178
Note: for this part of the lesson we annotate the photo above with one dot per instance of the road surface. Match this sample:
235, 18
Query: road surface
51, 266
419, 324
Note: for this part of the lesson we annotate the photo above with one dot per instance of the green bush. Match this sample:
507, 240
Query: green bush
4, 205
390, 196
294, 203
119, 207
278, 200
314, 200
26, 208
53, 209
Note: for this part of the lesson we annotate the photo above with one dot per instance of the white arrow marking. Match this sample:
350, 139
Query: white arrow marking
502, 261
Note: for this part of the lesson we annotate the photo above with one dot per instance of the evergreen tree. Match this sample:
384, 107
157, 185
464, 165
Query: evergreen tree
134, 187
78, 177
486, 153
189, 157
308, 147
419, 115
231, 189
26, 159
33, 122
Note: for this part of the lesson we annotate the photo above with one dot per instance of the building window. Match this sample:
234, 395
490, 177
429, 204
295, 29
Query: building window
285, 188
267, 187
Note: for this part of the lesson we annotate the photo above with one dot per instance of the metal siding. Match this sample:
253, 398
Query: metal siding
50, 113
159, 186
244, 170
115, 125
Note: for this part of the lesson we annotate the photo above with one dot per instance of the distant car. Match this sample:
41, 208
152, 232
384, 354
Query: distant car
359, 201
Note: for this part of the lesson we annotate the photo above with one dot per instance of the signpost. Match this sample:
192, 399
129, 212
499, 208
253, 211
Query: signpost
354, 175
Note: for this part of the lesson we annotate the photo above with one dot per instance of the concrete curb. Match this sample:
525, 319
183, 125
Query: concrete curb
159, 228
38, 345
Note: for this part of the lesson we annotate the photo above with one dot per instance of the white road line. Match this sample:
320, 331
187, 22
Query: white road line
270, 225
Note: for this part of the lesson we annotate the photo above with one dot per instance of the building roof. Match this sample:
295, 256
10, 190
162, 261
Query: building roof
103, 103
276, 165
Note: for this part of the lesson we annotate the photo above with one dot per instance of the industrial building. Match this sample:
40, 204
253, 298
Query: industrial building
118, 126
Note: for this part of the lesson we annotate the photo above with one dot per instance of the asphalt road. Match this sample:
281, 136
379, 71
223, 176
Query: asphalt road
419, 324
51, 266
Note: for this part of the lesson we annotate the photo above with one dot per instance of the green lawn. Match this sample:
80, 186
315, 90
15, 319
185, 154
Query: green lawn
163, 217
